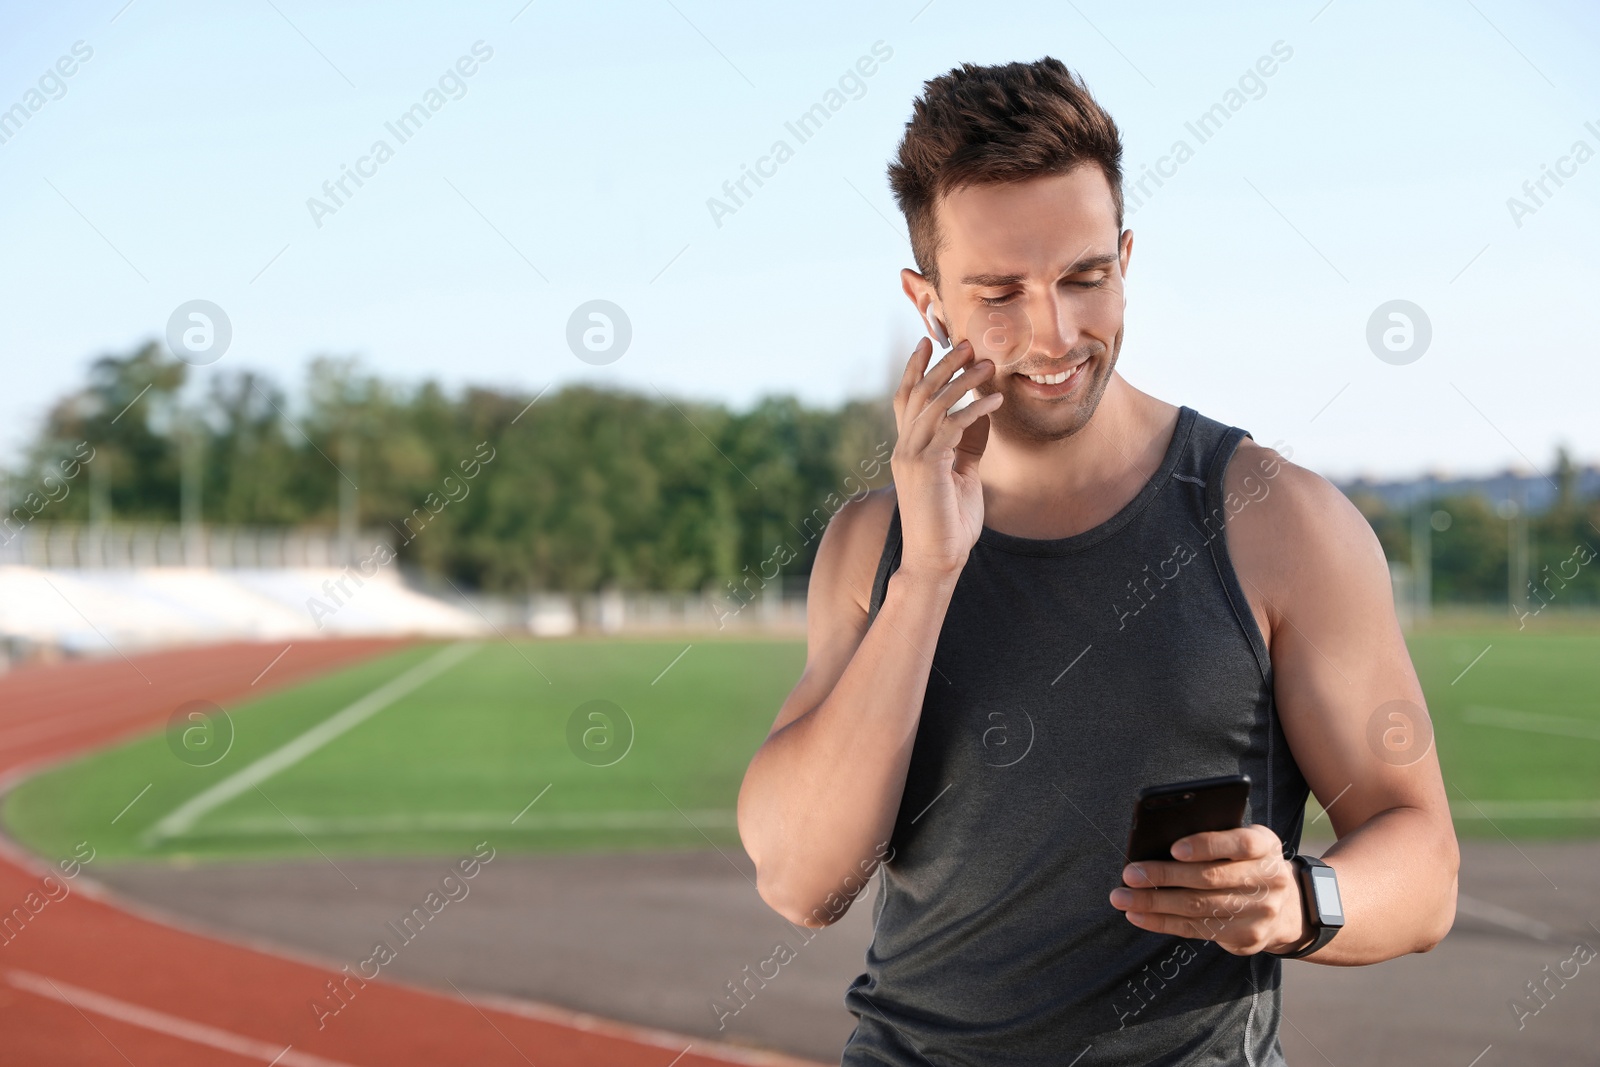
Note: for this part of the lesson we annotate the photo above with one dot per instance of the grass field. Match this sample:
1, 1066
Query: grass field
460, 758
1520, 727
452, 763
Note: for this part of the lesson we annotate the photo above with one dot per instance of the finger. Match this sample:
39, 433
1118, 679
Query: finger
936, 412
975, 437
916, 366
1188, 928
954, 429
930, 419
1164, 924
960, 385
1199, 874
1245, 843
1213, 909
938, 377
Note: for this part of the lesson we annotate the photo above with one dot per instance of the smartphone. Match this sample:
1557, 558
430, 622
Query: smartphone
1164, 813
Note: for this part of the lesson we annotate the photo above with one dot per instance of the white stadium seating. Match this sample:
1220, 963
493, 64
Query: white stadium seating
97, 610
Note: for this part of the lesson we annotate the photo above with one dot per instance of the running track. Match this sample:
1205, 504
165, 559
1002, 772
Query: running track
90, 981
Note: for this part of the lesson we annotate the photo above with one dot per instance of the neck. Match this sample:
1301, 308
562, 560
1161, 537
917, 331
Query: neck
1049, 489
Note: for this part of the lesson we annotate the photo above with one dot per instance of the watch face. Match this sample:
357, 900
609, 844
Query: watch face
1326, 887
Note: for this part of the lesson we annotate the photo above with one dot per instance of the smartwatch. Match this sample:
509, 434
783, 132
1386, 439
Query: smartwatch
1319, 896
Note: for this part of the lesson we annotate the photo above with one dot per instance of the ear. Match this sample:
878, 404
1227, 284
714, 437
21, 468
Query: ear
1125, 254
922, 296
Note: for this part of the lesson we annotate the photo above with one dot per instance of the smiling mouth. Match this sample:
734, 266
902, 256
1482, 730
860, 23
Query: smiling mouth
1057, 378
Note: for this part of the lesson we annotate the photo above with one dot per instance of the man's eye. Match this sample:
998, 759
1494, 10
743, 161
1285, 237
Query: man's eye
1099, 284
996, 301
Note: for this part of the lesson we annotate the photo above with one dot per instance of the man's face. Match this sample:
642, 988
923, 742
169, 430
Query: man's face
1032, 273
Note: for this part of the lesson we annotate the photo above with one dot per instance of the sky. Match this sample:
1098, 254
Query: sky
185, 157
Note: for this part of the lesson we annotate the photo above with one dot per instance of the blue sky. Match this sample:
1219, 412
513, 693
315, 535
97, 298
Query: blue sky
575, 163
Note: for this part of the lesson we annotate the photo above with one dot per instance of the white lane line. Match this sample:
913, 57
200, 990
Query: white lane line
490, 1021
474, 820
1504, 918
196, 807
162, 1023
1534, 723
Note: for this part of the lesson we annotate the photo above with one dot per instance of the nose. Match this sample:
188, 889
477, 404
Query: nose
1055, 326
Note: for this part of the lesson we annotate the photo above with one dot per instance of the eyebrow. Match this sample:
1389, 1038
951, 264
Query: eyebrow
988, 281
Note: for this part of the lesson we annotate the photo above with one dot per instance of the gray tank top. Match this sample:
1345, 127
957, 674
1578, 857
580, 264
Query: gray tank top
1069, 674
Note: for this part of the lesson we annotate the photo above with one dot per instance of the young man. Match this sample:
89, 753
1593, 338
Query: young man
1072, 591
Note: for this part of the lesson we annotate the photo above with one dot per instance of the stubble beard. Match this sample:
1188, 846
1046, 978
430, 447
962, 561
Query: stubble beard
1041, 423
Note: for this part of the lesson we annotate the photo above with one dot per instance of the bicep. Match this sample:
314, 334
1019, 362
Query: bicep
1348, 697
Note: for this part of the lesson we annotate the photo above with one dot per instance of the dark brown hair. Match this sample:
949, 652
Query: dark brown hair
978, 125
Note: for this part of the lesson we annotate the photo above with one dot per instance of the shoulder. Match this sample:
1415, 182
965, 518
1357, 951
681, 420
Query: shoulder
1291, 498
851, 546
1294, 535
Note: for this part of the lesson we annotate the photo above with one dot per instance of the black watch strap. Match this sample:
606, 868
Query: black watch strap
1324, 924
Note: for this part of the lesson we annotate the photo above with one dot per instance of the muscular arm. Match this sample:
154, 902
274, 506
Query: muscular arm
1351, 708
1353, 712
819, 800
820, 797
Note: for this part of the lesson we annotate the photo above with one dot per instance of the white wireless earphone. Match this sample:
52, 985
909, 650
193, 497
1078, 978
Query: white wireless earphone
940, 334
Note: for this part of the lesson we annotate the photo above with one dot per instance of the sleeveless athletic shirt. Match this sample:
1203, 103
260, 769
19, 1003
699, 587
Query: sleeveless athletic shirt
1069, 674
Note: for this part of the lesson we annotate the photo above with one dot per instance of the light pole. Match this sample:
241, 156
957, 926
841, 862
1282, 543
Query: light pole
190, 513
1421, 559
349, 455
1516, 554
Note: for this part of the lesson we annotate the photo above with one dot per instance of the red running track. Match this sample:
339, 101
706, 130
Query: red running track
91, 981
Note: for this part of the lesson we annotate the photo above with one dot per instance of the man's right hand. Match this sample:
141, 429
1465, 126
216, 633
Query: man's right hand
819, 802
935, 460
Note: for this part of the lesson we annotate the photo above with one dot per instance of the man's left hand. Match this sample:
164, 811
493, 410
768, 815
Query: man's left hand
1229, 886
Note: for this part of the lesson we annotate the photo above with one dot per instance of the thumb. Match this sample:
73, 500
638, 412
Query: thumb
974, 439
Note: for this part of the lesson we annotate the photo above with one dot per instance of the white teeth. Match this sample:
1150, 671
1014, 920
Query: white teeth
1051, 379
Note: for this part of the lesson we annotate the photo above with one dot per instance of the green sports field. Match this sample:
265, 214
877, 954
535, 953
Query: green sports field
461, 757
1517, 721
452, 763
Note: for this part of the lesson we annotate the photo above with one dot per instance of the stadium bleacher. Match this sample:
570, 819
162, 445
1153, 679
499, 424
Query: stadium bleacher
90, 611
